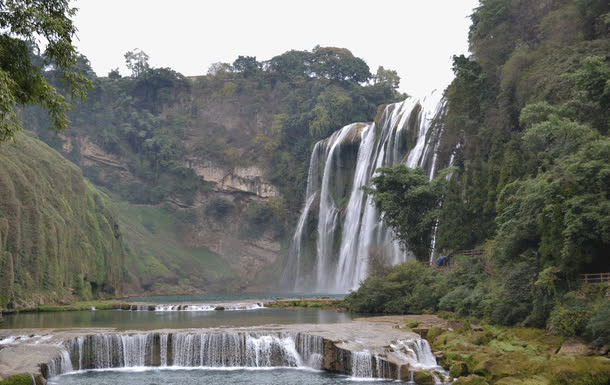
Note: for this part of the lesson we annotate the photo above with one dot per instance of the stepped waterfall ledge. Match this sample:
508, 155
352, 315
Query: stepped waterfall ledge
358, 349
339, 233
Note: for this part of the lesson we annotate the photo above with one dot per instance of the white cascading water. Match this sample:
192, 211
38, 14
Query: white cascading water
60, 364
104, 351
234, 350
327, 219
403, 135
199, 307
362, 364
310, 196
416, 352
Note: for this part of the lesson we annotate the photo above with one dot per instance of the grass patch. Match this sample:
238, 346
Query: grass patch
83, 305
18, 379
317, 303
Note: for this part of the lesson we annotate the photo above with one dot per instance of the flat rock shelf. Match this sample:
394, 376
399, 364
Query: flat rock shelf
358, 348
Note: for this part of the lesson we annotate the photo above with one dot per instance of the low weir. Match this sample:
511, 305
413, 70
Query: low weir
194, 306
392, 354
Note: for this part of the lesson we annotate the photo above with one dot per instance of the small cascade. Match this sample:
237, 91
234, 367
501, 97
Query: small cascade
382, 368
349, 236
362, 364
416, 352
311, 349
60, 364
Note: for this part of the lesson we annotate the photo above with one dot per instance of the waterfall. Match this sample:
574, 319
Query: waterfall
349, 236
327, 220
293, 270
103, 351
192, 349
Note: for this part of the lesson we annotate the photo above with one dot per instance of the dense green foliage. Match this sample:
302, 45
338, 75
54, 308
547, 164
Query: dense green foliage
530, 112
410, 203
23, 79
59, 236
469, 291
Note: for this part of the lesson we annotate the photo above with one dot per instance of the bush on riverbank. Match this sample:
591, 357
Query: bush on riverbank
475, 289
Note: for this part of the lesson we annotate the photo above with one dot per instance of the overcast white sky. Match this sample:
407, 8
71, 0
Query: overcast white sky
416, 38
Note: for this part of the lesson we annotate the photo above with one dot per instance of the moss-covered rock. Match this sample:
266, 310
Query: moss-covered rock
18, 379
423, 377
433, 333
471, 380
458, 369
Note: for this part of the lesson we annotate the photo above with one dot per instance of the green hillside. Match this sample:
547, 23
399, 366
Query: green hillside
59, 236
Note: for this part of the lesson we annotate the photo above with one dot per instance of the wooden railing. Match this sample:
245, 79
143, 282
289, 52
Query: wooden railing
595, 277
470, 252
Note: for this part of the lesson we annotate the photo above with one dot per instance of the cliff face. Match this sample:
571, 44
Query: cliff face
59, 236
170, 238
249, 180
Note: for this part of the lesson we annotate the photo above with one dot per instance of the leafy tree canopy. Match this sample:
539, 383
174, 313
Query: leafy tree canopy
247, 65
409, 203
24, 80
387, 77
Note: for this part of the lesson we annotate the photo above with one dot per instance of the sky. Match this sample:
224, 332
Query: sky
415, 38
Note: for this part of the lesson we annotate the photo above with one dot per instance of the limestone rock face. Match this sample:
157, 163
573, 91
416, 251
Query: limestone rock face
239, 179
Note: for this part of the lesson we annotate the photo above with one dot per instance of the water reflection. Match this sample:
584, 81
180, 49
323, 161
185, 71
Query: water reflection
147, 320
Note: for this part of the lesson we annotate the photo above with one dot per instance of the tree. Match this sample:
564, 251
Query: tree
137, 62
246, 65
22, 75
339, 64
114, 74
218, 68
292, 64
409, 202
387, 77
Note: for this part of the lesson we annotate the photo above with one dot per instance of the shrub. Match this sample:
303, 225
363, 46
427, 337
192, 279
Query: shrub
405, 289
598, 326
569, 320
